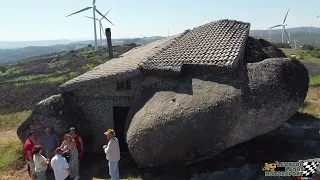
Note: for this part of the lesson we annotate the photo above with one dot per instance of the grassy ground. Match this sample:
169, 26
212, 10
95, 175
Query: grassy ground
10, 146
11, 153
303, 55
12, 120
315, 81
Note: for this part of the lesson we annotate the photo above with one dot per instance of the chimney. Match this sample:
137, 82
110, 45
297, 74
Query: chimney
108, 34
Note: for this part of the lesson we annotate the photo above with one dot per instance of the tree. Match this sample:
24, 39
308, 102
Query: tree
89, 45
282, 45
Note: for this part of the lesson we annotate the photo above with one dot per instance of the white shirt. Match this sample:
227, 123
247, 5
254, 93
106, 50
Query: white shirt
38, 159
59, 166
113, 150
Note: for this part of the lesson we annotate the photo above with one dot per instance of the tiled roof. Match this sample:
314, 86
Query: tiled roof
219, 43
125, 66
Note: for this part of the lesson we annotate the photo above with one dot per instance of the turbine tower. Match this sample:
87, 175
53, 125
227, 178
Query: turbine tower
310, 29
289, 36
270, 29
93, 7
295, 44
283, 25
101, 27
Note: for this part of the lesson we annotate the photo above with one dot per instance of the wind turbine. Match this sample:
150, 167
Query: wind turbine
283, 25
94, 20
295, 44
101, 27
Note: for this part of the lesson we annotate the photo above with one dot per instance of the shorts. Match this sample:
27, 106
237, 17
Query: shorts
32, 167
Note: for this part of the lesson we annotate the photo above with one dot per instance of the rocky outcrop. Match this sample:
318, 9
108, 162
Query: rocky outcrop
196, 116
59, 112
260, 49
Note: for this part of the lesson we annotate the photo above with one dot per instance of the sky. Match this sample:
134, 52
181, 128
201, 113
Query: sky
29, 20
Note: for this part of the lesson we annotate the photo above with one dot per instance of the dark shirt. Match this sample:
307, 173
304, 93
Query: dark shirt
50, 142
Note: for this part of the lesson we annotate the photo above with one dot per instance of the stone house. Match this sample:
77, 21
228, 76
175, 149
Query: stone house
212, 81
106, 92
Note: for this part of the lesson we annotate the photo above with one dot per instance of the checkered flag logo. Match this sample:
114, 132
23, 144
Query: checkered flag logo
309, 168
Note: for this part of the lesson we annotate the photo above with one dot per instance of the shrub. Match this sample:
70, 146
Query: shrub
3, 69
282, 45
88, 67
307, 47
72, 75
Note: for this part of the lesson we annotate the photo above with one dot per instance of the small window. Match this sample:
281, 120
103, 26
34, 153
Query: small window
122, 86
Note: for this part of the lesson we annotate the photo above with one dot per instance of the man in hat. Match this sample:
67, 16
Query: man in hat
112, 151
50, 142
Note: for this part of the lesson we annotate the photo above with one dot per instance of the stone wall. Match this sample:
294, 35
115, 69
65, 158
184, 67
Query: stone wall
97, 104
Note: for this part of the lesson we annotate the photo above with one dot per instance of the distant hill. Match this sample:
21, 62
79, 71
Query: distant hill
300, 34
23, 84
13, 55
22, 44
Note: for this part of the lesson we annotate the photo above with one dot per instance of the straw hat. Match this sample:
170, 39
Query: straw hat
110, 131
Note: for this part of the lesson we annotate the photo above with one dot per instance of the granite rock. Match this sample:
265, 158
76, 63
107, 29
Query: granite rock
194, 117
59, 112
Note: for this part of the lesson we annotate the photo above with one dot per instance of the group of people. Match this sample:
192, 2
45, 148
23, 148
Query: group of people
71, 149
65, 159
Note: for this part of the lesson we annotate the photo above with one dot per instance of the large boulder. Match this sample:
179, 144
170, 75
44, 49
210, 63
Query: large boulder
193, 117
59, 112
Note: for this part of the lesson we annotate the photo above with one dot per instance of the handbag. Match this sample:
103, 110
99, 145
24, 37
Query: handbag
67, 156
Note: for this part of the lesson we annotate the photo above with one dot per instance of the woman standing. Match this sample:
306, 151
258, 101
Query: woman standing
40, 162
79, 143
69, 146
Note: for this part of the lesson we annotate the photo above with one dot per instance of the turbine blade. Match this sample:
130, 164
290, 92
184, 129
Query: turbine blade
275, 26
103, 16
106, 14
91, 18
103, 30
285, 18
318, 16
94, 2
80, 11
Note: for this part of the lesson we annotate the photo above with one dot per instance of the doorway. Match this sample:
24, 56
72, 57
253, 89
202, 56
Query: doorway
120, 114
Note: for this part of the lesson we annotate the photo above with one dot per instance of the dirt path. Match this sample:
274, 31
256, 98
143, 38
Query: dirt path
8, 136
